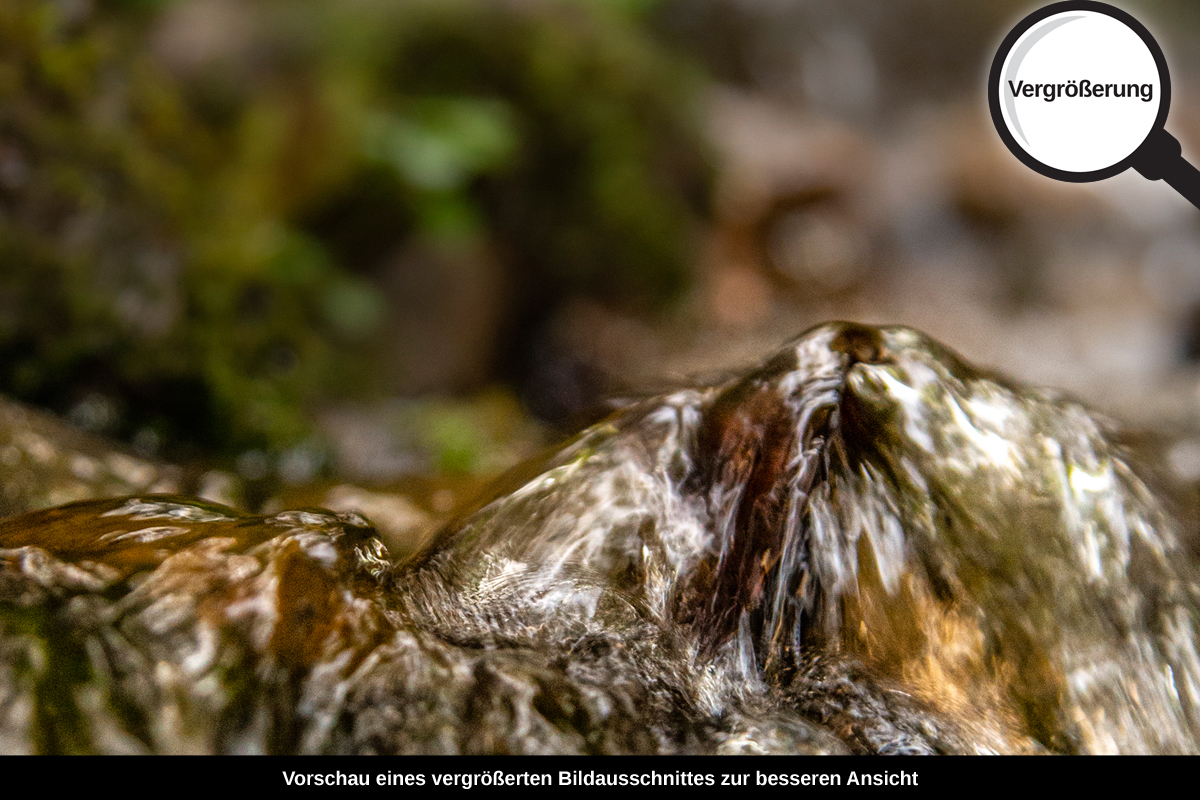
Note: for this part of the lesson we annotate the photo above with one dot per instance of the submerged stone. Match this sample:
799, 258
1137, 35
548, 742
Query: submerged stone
863, 545
45, 462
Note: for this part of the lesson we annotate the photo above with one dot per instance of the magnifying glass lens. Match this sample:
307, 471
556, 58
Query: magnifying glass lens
1080, 91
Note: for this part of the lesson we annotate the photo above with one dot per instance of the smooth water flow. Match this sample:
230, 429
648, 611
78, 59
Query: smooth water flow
864, 545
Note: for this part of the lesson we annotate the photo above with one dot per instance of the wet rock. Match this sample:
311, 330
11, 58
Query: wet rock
864, 545
401, 523
45, 462
139, 625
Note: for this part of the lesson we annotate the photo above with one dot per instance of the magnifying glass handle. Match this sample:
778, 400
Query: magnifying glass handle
1161, 158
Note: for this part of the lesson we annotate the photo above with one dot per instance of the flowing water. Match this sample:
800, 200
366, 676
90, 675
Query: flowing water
863, 545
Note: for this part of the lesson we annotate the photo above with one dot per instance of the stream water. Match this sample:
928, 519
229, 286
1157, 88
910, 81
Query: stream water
865, 544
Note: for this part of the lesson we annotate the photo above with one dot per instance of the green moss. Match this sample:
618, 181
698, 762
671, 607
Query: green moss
57, 666
198, 245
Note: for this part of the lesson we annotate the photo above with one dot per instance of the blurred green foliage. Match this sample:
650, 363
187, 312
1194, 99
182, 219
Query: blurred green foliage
191, 224
487, 434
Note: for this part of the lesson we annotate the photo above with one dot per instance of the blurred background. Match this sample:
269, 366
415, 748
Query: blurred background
369, 253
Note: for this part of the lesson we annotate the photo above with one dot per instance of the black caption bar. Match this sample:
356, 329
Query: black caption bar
467, 776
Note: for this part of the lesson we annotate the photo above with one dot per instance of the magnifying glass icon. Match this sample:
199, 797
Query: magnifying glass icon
1079, 91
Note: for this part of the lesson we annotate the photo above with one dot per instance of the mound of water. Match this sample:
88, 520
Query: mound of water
863, 545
